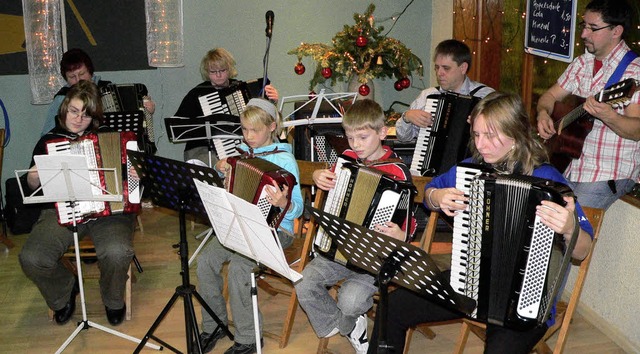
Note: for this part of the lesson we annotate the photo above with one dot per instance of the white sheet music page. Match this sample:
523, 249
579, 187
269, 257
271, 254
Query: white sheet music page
240, 226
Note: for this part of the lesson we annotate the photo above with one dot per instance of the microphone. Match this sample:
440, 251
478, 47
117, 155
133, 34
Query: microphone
269, 17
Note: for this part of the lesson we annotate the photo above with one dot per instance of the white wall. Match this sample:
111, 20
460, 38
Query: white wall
610, 296
239, 27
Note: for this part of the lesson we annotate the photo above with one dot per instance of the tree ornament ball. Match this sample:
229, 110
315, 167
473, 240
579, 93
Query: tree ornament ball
361, 41
312, 94
326, 73
405, 82
398, 85
299, 68
364, 90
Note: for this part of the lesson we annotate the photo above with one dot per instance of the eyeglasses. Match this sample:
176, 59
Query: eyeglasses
218, 72
583, 26
77, 113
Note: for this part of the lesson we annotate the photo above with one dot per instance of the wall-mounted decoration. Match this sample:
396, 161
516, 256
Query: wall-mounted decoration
165, 41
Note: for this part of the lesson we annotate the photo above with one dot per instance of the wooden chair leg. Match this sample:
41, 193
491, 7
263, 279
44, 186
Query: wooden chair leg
322, 345
289, 319
462, 338
127, 294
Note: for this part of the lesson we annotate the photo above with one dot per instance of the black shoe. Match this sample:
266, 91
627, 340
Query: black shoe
64, 314
208, 340
238, 348
116, 317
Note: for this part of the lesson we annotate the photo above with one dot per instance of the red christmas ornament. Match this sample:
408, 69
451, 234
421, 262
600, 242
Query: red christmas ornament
312, 94
361, 41
364, 90
405, 82
299, 68
398, 86
326, 73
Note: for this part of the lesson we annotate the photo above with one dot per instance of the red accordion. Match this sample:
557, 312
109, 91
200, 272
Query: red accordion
102, 150
248, 180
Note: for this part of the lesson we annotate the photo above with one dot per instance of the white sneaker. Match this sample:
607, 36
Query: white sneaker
358, 336
333, 332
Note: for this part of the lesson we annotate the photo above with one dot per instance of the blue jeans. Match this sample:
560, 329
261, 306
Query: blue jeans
41, 254
355, 296
599, 194
210, 281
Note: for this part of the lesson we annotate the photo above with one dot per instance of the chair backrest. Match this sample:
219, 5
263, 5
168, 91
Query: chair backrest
595, 216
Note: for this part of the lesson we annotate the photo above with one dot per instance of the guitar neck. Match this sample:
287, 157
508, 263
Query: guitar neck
571, 117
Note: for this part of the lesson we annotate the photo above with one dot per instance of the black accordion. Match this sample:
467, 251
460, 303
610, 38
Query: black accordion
443, 144
503, 257
365, 196
229, 100
249, 178
124, 110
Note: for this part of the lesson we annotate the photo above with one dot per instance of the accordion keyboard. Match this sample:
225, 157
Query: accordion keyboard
423, 142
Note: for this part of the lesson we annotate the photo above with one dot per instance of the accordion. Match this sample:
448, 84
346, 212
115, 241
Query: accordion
249, 178
503, 256
443, 144
365, 196
102, 150
124, 110
229, 100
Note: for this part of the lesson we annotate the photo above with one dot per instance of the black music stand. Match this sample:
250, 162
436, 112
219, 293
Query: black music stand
211, 127
129, 121
62, 183
390, 260
170, 184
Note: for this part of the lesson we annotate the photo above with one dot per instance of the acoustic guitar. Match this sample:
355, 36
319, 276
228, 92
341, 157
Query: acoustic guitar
573, 123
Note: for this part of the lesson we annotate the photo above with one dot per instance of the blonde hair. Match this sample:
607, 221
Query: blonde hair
364, 114
219, 57
260, 111
505, 113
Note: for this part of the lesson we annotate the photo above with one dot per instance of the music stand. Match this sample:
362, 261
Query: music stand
61, 183
241, 227
390, 260
170, 184
211, 127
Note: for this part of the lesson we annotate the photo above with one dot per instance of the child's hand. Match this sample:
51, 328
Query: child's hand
391, 229
277, 197
324, 179
223, 166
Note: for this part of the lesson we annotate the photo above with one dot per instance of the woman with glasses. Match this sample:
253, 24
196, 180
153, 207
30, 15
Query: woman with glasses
80, 114
218, 70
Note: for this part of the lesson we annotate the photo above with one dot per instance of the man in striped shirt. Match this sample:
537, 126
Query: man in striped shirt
610, 161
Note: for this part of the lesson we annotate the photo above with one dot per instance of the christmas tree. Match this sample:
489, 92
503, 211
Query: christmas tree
359, 50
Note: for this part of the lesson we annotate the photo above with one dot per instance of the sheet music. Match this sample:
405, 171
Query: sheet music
240, 226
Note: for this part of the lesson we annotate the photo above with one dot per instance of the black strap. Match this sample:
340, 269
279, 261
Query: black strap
475, 90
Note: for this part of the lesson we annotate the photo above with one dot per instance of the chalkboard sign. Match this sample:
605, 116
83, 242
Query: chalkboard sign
550, 28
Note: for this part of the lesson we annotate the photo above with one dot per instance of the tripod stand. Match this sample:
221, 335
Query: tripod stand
63, 184
221, 131
171, 184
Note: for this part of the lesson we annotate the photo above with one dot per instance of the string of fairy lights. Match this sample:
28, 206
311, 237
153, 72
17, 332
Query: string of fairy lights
519, 14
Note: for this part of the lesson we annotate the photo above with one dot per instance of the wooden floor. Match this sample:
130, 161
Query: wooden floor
25, 326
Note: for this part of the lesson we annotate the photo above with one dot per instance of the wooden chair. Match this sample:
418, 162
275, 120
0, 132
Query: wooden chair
298, 253
564, 310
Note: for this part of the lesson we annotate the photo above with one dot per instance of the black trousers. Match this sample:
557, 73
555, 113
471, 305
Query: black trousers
407, 309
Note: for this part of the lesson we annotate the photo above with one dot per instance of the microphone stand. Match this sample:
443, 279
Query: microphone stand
265, 67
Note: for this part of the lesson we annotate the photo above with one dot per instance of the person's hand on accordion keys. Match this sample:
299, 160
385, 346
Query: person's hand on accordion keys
418, 117
392, 230
276, 196
324, 179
